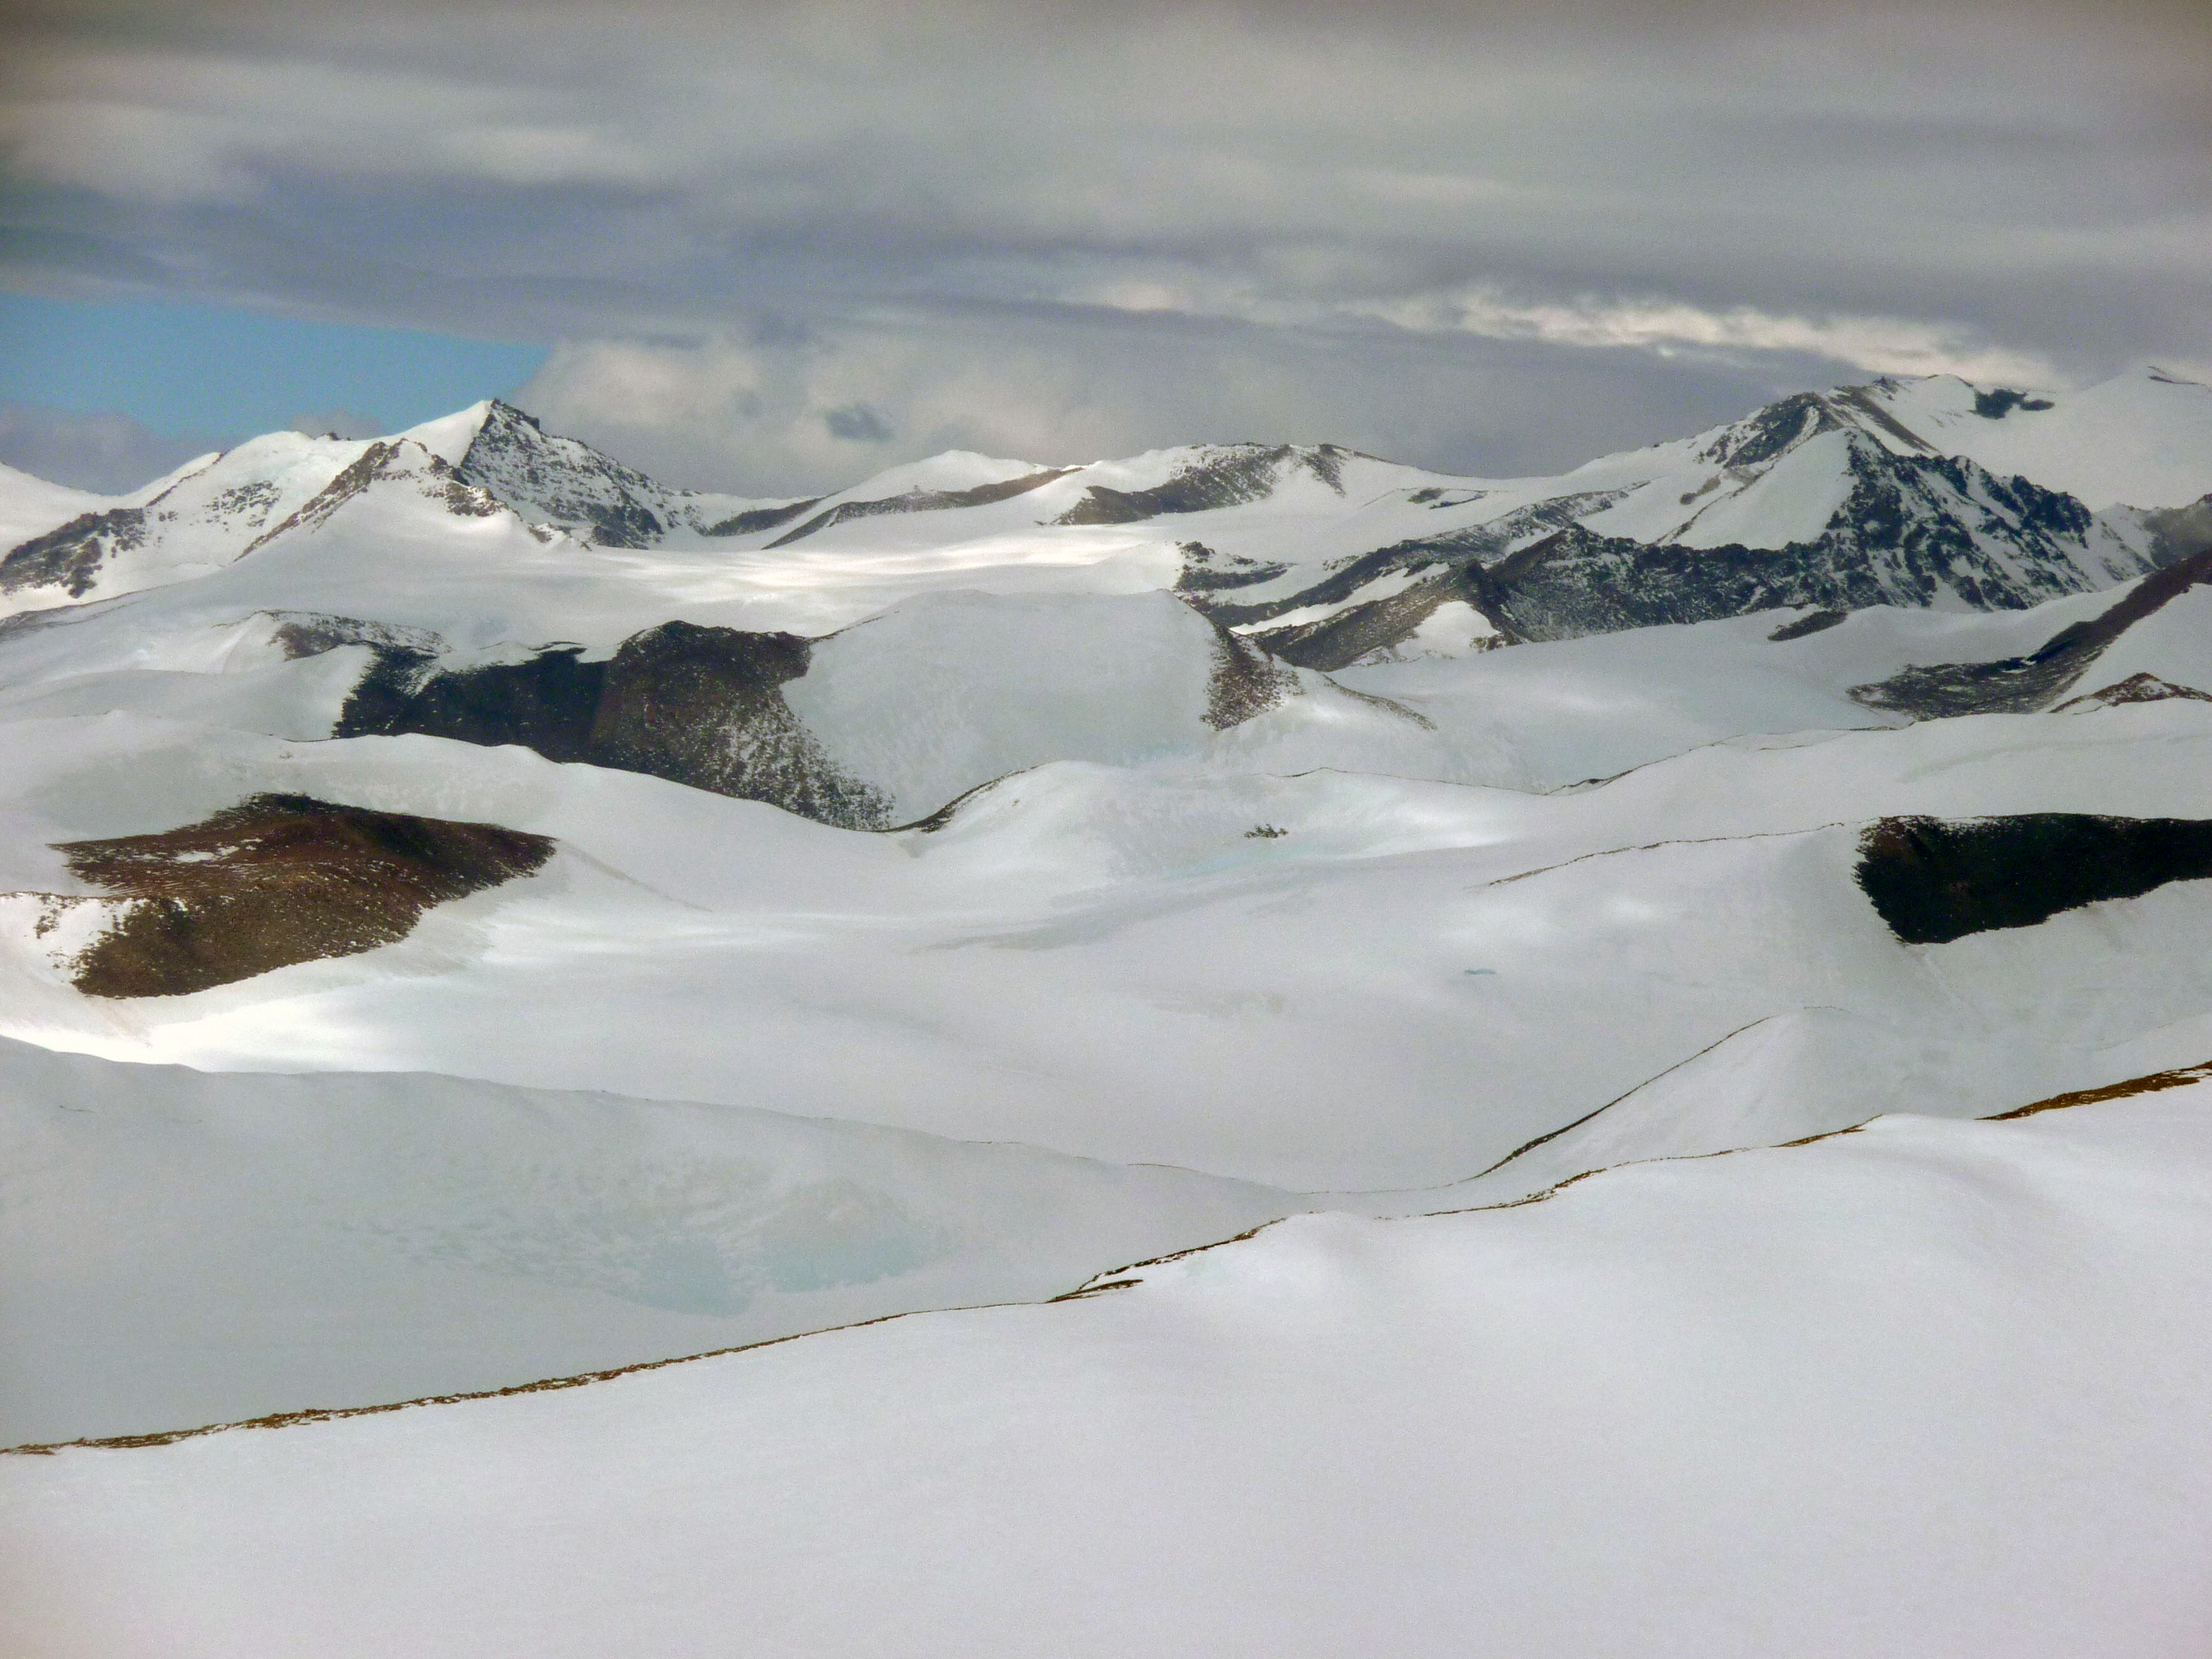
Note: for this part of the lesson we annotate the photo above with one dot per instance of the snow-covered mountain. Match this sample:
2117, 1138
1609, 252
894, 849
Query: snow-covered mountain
471, 916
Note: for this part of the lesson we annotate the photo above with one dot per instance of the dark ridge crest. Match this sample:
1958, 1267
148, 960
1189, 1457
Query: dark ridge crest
1934, 880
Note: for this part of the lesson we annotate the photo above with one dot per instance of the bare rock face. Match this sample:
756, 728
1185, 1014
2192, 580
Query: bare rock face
1224, 476
915, 501
71, 556
1933, 881
549, 479
275, 880
696, 705
1911, 529
2137, 688
1245, 683
2018, 685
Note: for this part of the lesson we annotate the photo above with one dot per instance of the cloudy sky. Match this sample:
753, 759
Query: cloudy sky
776, 247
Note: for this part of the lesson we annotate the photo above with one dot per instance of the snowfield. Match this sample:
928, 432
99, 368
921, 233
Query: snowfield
471, 916
1932, 1388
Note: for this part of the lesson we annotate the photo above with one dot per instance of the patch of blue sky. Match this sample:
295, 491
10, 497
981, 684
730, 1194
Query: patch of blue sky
183, 366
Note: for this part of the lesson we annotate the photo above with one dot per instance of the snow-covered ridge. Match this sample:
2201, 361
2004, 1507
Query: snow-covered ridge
1859, 506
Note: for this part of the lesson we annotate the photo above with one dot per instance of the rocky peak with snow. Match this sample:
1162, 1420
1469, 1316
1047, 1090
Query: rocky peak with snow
562, 481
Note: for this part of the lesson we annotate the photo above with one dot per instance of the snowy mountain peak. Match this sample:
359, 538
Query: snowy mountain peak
564, 481
2143, 438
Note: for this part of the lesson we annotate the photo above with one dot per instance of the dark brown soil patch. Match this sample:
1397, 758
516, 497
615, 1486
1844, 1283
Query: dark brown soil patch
2137, 688
2181, 1079
1933, 881
275, 880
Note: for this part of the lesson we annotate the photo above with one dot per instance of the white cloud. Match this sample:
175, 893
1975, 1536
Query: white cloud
801, 415
1879, 345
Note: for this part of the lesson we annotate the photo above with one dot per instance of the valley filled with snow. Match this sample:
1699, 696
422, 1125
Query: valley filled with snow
1244, 1050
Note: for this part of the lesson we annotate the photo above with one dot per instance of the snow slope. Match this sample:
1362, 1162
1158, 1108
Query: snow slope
181, 1246
1118, 963
2144, 438
1932, 1388
30, 507
938, 875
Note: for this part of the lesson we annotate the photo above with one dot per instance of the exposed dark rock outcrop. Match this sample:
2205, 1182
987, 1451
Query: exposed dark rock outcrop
1360, 630
275, 880
1999, 401
1819, 622
924, 500
2016, 685
2137, 688
310, 633
698, 705
1459, 556
1933, 881
565, 481
1205, 571
755, 520
384, 460
1228, 477
1913, 529
1245, 682
70, 556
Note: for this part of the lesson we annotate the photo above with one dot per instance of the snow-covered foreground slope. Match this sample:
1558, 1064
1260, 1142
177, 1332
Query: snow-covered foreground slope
1932, 1388
180, 1246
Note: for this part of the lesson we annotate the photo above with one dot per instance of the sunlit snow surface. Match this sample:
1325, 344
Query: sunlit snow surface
1933, 1387
1142, 971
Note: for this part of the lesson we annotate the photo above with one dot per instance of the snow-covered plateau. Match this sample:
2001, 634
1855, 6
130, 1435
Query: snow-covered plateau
1321, 1058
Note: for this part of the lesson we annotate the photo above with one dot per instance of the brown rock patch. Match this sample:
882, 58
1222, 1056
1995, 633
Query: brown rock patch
275, 880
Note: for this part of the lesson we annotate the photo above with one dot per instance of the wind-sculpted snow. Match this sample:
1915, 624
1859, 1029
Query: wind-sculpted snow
1926, 1388
2144, 438
272, 1244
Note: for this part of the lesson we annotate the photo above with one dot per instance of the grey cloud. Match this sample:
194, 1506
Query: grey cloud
757, 417
1308, 189
340, 423
860, 423
109, 454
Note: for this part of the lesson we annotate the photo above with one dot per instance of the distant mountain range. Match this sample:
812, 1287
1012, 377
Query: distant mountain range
479, 578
